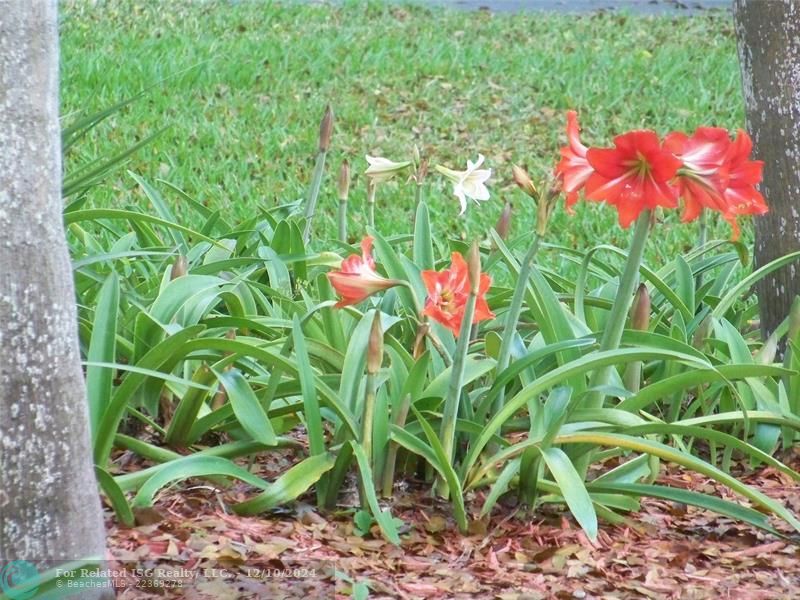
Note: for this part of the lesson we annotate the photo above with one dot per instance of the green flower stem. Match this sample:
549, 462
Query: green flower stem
371, 191
417, 197
633, 377
435, 342
437, 345
343, 221
619, 310
316, 182
514, 311
366, 437
703, 238
615, 326
368, 417
398, 419
450, 414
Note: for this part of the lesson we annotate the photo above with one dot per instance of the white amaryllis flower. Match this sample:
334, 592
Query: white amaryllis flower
469, 183
382, 169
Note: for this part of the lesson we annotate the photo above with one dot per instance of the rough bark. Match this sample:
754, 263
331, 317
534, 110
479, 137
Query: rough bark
768, 36
49, 505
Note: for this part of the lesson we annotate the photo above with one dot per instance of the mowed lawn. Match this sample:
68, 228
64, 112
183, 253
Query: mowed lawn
242, 86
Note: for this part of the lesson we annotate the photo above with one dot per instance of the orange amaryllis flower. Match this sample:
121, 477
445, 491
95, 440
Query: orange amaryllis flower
633, 176
448, 292
357, 278
573, 170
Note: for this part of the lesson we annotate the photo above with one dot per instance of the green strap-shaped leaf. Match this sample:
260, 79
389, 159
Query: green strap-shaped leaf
288, 486
446, 470
116, 496
246, 407
195, 465
572, 489
102, 348
712, 503
163, 210
164, 352
382, 517
682, 458
558, 377
423, 243
697, 376
189, 407
93, 214
726, 302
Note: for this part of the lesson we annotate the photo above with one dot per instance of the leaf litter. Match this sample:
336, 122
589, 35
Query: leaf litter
666, 550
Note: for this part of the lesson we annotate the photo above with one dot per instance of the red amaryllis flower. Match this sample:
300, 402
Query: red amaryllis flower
573, 169
632, 176
717, 173
741, 195
357, 279
702, 178
448, 291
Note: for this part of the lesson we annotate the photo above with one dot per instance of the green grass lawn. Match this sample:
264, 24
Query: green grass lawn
243, 86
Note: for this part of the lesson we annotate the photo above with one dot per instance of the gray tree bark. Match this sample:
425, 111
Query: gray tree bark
49, 504
768, 37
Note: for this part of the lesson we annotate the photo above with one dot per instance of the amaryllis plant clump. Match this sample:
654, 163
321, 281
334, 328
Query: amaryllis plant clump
460, 364
707, 170
529, 386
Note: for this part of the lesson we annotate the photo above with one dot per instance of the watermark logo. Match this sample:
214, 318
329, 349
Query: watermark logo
19, 580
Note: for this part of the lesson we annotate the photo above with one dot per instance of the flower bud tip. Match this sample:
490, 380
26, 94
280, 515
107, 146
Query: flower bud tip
344, 180
326, 129
640, 315
375, 346
523, 180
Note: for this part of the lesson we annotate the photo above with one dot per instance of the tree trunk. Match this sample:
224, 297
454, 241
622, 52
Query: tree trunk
768, 36
49, 506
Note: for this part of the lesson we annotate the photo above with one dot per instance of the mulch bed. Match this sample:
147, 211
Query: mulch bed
667, 551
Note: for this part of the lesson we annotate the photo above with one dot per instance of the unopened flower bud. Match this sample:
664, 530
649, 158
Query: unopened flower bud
344, 180
179, 267
382, 169
326, 129
523, 180
474, 268
220, 399
503, 225
640, 312
422, 171
375, 347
